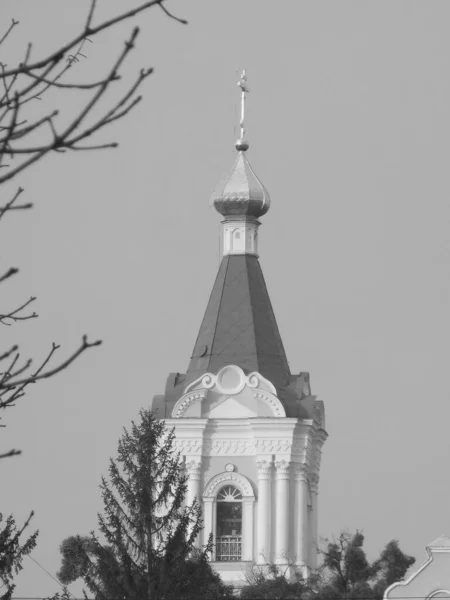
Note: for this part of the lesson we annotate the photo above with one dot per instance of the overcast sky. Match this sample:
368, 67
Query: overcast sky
349, 128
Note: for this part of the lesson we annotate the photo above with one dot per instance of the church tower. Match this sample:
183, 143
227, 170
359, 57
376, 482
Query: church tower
250, 432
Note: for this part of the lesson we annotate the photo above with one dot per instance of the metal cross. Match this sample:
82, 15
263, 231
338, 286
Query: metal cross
242, 83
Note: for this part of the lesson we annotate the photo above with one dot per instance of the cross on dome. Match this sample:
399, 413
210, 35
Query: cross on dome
242, 194
242, 144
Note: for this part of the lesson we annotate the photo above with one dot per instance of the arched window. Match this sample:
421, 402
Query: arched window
229, 524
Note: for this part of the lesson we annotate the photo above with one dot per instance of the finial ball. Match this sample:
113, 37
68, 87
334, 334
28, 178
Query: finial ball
242, 145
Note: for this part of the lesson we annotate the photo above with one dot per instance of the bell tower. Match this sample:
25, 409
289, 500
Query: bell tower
250, 432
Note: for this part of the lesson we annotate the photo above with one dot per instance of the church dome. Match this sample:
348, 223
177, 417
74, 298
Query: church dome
242, 194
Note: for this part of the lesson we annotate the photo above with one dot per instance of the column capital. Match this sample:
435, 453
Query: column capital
193, 468
264, 469
283, 468
301, 473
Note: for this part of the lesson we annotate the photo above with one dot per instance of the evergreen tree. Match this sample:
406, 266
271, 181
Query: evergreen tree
149, 552
12, 552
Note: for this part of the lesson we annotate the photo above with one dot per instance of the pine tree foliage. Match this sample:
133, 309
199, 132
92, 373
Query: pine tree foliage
149, 533
12, 552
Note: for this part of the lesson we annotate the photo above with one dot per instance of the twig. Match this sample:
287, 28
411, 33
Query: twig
38, 375
78, 86
10, 28
58, 55
11, 453
10, 205
9, 273
15, 317
9, 352
90, 15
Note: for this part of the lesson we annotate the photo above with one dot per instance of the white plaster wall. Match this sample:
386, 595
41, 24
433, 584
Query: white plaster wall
431, 577
245, 465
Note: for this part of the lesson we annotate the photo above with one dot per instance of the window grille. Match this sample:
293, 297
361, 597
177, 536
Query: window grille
229, 548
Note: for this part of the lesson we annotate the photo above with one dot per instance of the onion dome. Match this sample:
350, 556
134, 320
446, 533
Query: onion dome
242, 194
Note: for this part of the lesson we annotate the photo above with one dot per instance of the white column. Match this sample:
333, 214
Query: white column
208, 519
263, 515
314, 486
247, 528
193, 470
282, 511
302, 544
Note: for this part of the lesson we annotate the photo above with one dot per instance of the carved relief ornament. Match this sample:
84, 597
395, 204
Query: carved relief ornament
193, 469
283, 467
264, 469
241, 447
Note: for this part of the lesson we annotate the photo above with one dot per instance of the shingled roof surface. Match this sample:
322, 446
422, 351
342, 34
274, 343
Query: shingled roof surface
239, 325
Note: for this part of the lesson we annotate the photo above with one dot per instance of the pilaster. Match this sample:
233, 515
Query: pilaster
314, 489
282, 511
263, 514
194, 470
301, 533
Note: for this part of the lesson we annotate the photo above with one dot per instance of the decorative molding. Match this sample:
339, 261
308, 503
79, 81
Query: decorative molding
264, 469
228, 447
272, 401
241, 447
282, 468
185, 402
229, 467
187, 446
213, 486
210, 381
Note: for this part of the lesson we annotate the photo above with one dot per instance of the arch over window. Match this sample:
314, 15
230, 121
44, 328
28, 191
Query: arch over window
229, 493
216, 483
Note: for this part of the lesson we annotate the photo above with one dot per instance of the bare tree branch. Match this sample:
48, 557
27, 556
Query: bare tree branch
38, 375
28, 82
59, 54
11, 453
13, 315
9, 273
10, 28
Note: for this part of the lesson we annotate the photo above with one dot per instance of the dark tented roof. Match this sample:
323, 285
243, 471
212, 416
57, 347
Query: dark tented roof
239, 325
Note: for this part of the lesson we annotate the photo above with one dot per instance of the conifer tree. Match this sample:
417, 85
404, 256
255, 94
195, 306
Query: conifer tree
149, 551
12, 552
